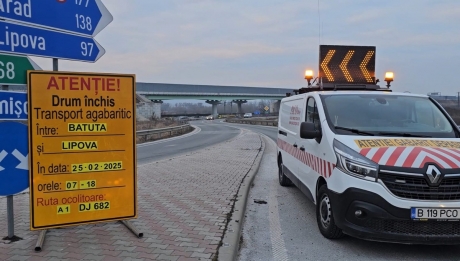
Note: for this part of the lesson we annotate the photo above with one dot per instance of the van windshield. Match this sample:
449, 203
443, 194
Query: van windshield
386, 115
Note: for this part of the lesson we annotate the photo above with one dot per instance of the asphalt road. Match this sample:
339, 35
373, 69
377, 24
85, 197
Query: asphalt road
285, 228
207, 134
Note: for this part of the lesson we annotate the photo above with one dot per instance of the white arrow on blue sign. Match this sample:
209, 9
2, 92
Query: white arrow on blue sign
14, 154
21, 39
13, 106
87, 17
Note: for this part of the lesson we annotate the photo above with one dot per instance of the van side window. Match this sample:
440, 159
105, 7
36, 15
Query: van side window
312, 113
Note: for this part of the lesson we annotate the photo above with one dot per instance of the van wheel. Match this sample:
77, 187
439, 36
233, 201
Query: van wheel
325, 217
284, 181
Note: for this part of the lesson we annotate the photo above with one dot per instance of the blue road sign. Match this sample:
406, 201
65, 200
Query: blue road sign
21, 39
13, 106
14, 158
86, 17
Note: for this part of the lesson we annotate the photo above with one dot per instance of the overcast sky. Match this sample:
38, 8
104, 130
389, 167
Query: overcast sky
270, 43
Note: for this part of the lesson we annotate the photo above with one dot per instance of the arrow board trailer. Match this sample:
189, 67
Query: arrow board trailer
21, 39
86, 17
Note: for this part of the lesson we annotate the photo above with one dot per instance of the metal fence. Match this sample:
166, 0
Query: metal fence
157, 134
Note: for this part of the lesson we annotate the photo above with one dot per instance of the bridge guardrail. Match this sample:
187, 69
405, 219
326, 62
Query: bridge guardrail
156, 134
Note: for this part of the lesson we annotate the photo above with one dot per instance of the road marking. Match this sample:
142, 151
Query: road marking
278, 246
170, 146
263, 126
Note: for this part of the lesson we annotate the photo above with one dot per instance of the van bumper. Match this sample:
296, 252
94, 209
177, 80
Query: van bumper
381, 221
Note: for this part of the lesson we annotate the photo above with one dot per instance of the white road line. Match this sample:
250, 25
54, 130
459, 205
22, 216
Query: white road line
278, 245
229, 123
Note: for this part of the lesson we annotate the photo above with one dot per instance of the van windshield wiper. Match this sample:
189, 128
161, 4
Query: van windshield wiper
354, 131
403, 134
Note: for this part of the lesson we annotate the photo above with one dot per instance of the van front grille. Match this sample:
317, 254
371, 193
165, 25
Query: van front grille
419, 228
416, 187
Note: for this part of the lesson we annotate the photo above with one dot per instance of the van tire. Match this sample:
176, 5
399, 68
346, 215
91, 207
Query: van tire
324, 215
282, 178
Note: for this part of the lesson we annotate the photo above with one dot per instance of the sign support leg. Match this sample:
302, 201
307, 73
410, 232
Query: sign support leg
40, 241
10, 212
132, 228
55, 64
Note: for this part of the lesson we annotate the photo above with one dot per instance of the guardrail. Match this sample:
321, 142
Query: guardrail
156, 134
254, 122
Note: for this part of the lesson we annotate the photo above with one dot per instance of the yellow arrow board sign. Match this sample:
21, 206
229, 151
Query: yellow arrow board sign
347, 64
82, 144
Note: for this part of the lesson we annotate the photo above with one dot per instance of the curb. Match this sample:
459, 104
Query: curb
229, 249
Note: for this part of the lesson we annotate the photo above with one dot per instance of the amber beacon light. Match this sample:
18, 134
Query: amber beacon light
389, 77
309, 76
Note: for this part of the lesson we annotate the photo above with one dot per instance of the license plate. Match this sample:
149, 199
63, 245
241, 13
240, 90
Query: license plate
435, 213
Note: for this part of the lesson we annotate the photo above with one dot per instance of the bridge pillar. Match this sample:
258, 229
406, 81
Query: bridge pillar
157, 108
275, 106
214, 107
239, 111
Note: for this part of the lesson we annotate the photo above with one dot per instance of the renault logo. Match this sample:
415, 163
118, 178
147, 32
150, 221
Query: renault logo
433, 174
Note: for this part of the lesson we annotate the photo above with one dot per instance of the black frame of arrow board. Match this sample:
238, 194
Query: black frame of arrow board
347, 64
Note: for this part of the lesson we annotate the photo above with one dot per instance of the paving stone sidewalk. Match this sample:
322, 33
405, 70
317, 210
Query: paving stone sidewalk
183, 207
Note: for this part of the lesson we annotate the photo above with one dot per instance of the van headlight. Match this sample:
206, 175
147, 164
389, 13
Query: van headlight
355, 164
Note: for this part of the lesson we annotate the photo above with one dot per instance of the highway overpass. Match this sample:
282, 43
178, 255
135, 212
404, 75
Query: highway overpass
212, 94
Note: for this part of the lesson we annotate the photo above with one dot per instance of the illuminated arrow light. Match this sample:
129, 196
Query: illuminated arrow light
363, 66
344, 65
324, 64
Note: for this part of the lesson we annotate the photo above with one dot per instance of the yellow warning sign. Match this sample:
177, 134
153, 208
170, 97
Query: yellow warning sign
82, 148
377, 143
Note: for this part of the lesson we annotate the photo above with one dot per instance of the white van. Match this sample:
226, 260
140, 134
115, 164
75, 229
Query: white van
378, 165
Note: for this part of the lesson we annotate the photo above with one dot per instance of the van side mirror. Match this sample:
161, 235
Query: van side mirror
307, 131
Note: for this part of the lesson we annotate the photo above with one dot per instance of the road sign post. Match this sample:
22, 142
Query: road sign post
21, 39
13, 69
83, 149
